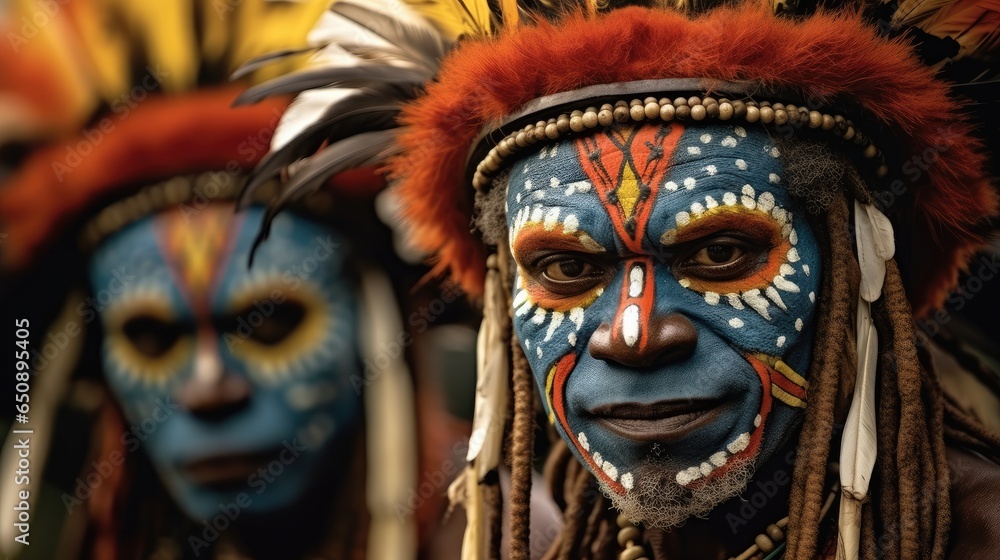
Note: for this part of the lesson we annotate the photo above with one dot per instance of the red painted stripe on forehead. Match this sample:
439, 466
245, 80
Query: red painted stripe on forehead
627, 166
198, 247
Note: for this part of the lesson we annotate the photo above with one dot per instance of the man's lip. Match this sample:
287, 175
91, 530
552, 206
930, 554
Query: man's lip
662, 421
225, 470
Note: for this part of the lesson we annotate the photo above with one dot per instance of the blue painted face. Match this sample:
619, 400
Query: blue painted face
664, 298
234, 379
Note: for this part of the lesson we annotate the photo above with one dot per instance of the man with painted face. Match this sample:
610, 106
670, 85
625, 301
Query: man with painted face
264, 411
688, 258
246, 373
664, 296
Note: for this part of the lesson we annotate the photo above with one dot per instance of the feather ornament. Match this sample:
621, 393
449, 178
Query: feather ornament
368, 60
973, 25
92, 55
858, 450
467, 492
486, 441
457, 18
492, 369
876, 244
510, 13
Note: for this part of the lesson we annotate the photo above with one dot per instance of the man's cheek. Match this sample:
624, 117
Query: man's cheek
546, 335
746, 328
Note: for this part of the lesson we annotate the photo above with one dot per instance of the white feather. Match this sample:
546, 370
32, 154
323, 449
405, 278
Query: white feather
885, 245
858, 450
875, 246
307, 109
331, 27
486, 441
331, 33
849, 529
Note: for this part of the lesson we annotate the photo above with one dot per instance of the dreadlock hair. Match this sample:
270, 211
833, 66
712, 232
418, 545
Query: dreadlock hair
908, 511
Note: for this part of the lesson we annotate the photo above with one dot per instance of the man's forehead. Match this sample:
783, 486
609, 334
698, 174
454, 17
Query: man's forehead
628, 161
201, 256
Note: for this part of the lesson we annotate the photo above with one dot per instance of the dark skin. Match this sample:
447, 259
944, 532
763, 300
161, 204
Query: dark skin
732, 526
305, 526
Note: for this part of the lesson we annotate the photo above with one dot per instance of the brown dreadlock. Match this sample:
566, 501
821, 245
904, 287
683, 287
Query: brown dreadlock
908, 513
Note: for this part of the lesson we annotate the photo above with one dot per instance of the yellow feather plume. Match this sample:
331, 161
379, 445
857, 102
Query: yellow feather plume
457, 18
97, 51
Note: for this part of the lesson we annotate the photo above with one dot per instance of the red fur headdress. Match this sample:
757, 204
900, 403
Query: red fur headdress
162, 138
833, 59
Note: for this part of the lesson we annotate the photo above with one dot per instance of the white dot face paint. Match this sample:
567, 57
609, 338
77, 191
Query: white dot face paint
293, 384
636, 279
630, 325
656, 241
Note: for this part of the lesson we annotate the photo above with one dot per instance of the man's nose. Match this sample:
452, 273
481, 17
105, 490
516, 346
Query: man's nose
670, 338
639, 336
213, 393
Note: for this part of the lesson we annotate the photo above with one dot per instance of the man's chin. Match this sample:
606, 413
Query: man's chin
657, 500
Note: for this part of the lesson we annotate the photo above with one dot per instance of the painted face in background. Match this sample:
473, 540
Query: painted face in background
222, 370
664, 298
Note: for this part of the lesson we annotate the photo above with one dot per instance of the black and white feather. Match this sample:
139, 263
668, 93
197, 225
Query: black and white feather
368, 61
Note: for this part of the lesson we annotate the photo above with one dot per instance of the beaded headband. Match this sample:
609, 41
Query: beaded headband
697, 107
194, 191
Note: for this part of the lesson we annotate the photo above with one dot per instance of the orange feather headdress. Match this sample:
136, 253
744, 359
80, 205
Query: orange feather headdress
483, 83
834, 60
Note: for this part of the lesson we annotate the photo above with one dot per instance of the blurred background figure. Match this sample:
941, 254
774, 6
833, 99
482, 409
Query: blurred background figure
183, 404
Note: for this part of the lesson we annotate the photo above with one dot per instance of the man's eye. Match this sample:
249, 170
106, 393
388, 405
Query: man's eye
722, 258
151, 336
717, 254
285, 319
269, 329
567, 274
569, 270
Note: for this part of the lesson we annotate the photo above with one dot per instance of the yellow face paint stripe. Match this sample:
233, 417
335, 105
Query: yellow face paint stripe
784, 397
784, 369
548, 393
628, 191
